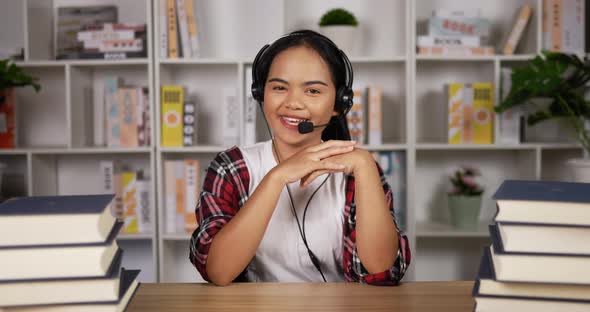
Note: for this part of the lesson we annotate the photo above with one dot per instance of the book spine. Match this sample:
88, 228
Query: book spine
139, 114
188, 128
556, 25
517, 30
180, 189
92, 37
98, 90
546, 24
457, 26
144, 217
356, 118
483, 113
192, 28
118, 207
466, 41
107, 169
249, 112
112, 104
147, 116
127, 98
191, 174
455, 109
130, 202
456, 51
170, 195
467, 113
231, 117
449, 13
573, 26
172, 99
375, 114
185, 46
7, 119
163, 28
172, 29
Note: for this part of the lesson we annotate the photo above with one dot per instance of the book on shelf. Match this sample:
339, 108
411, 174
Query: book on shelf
393, 165
459, 26
456, 51
493, 295
356, 118
189, 127
127, 286
548, 202
126, 113
564, 25
434, 41
113, 37
520, 22
182, 184
250, 108
64, 290
33, 220
70, 20
172, 101
470, 113
178, 34
230, 112
59, 260
375, 114
456, 13
131, 204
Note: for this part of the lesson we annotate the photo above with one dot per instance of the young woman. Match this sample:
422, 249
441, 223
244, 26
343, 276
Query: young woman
307, 205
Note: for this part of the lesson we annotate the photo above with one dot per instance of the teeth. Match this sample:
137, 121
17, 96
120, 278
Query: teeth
293, 120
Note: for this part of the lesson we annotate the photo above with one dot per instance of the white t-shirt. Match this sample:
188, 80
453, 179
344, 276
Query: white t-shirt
281, 255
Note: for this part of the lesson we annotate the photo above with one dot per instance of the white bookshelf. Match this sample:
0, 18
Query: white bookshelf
53, 158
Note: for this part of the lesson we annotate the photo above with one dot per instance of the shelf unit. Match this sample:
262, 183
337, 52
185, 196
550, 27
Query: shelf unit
412, 97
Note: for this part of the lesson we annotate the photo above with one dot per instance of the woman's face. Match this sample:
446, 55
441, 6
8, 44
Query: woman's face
299, 87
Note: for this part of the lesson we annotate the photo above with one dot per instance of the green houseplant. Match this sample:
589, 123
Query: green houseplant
340, 25
464, 198
11, 77
560, 79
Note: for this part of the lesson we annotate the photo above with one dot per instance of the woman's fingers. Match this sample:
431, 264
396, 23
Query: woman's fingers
330, 143
336, 150
324, 167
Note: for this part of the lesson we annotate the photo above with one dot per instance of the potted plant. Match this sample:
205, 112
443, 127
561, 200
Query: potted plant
560, 79
340, 25
11, 76
464, 198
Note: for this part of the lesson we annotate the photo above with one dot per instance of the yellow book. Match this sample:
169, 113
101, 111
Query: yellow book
172, 29
172, 99
483, 108
129, 202
455, 108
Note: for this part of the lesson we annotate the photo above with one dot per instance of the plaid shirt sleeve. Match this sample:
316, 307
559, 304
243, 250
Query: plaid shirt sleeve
354, 271
225, 190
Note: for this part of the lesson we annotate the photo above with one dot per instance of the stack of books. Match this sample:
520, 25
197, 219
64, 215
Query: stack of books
456, 33
540, 254
59, 253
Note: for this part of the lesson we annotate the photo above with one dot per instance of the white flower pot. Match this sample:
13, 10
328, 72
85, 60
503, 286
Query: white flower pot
579, 169
344, 36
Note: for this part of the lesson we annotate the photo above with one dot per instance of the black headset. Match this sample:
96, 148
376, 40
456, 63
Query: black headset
344, 94
344, 97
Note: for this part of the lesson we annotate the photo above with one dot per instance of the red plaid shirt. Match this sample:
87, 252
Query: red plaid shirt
225, 191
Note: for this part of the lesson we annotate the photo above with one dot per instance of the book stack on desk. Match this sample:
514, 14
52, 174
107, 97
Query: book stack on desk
539, 259
59, 253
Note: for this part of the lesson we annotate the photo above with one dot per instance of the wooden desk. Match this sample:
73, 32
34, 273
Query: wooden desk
410, 296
